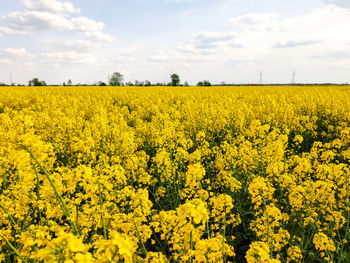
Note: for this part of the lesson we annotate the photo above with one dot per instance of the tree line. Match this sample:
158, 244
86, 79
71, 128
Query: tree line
117, 79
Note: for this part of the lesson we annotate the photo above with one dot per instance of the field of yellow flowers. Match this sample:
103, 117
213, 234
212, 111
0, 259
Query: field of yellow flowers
175, 174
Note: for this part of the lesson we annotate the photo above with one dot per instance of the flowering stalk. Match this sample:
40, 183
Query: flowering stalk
144, 250
58, 196
102, 217
14, 250
13, 221
37, 190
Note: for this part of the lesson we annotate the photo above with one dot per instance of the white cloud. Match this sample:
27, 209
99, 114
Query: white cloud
295, 43
178, 55
5, 30
214, 37
86, 24
70, 57
91, 29
257, 22
267, 42
5, 61
329, 24
206, 43
190, 48
99, 36
28, 22
342, 55
75, 45
342, 3
19, 52
178, 1
52, 6
52, 15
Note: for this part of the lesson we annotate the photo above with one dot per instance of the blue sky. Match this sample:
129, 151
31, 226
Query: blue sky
222, 40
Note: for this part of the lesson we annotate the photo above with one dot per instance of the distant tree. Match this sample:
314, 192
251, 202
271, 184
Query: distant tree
204, 83
69, 82
101, 83
147, 83
116, 79
175, 80
139, 83
36, 82
186, 83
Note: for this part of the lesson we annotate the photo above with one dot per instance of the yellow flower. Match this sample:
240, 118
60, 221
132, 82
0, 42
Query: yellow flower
259, 252
75, 244
155, 257
323, 242
125, 246
294, 254
83, 258
261, 191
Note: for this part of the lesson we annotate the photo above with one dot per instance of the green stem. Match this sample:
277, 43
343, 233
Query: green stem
191, 241
14, 249
342, 247
268, 229
37, 191
144, 250
58, 196
155, 199
77, 215
160, 243
102, 217
114, 254
208, 230
37, 183
13, 221
104, 228
223, 237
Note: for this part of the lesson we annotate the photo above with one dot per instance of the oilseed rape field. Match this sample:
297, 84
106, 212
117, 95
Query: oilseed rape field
175, 174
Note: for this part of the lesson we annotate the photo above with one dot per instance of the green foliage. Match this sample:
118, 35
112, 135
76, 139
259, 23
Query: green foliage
204, 83
175, 80
116, 79
36, 82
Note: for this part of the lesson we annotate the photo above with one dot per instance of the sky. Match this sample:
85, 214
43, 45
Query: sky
231, 41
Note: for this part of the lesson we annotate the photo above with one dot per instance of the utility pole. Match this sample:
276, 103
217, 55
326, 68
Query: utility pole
293, 77
260, 78
11, 83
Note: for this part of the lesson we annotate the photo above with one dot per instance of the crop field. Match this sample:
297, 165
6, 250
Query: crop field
175, 174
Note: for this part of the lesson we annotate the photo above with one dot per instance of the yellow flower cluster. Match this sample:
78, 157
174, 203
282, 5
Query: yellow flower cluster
260, 252
175, 174
294, 254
